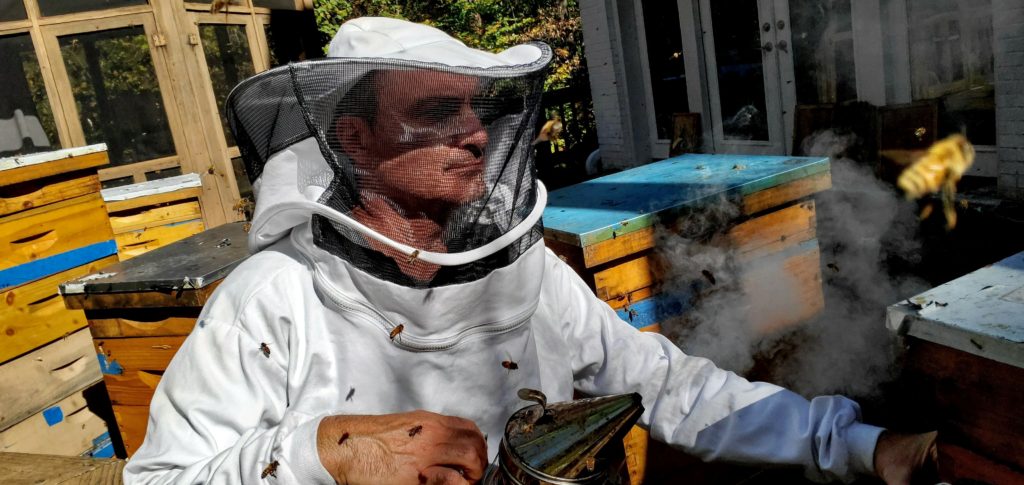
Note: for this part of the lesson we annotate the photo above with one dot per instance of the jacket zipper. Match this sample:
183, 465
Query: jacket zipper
410, 342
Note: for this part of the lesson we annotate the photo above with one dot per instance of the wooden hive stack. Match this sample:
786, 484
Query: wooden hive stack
151, 214
53, 228
141, 310
758, 210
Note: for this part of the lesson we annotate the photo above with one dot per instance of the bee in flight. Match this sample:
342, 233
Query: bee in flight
939, 170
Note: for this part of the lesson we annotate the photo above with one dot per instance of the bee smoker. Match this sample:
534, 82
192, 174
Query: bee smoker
576, 442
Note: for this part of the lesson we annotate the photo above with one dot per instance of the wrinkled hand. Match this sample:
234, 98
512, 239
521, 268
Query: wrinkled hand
903, 459
418, 447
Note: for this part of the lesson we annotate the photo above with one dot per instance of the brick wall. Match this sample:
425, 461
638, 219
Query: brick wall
1008, 30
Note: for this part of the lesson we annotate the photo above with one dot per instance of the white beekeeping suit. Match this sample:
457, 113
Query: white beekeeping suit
399, 261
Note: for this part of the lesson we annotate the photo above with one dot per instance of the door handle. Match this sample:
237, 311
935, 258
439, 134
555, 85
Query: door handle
767, 47
783, 46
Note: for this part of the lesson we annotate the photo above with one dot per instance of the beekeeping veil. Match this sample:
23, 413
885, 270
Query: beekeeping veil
400, 119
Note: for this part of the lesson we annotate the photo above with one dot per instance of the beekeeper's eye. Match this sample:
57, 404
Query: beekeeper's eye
490, 108
436, 110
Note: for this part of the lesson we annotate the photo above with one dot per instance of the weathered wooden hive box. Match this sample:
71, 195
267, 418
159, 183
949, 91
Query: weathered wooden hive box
141, 310
965, 362
757, 210
53, 227
152, 214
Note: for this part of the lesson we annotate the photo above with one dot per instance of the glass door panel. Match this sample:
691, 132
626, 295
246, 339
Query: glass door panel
229, 61
26, 119
12, 10
117, 93
740, 70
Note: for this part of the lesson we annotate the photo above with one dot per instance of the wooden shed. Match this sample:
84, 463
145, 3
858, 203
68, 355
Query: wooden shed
146, 77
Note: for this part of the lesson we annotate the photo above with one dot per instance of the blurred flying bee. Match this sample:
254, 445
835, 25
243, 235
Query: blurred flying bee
939, 170
510, 365
271, 470
708, 276
265, 349
344, 438
415, 430
396, 331
351, 392
833, 267
550, 131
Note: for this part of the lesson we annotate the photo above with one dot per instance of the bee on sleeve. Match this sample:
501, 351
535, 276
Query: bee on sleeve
937, 171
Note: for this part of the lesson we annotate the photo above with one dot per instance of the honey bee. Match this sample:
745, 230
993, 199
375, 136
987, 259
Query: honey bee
415, 430
265, 349
396, 331
551, 130
344, 437
708, 276
271, 470
351, 392
939, 170
510, 365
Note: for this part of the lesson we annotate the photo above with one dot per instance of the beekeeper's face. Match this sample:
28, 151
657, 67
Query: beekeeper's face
424, 145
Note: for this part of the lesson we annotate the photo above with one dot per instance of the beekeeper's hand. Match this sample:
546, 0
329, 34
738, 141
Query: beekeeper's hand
905, 459
407, 448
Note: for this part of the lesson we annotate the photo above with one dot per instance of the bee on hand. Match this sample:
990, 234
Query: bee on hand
939, 170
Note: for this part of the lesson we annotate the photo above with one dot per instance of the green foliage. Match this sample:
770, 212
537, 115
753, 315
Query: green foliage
491, 25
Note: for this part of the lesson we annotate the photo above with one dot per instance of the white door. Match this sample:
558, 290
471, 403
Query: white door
749, 63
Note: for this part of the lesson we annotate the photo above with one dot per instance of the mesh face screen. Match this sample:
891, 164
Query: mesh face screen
436, 157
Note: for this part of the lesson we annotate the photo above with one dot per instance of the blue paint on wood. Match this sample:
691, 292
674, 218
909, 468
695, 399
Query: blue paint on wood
53, 415
110, 367
655, 309
41, 268
102, 447
589, 212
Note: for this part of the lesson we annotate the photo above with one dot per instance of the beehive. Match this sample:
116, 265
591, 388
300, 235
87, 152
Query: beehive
140, 311
152, 214
53, 227
965, 370
759, 210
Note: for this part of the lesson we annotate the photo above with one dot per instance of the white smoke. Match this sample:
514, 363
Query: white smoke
862, 225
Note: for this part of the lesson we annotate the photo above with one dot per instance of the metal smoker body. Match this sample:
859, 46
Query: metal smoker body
576, 442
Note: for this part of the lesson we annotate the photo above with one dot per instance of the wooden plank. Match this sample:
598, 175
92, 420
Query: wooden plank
39, 192
36, 166
767, 199
155, 199
635, 446
633, 242
141, 299
960, 465
976, 400
33, 381
132, 388
26, 468
151, 354
44, 267
33, 314
771, 233
627, 276
52, 229
131, 322
780, 290
132, 422
134, 243
152, 187
617, 204
133, 220
66, 428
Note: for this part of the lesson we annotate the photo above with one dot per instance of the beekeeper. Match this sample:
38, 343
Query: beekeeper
400, 294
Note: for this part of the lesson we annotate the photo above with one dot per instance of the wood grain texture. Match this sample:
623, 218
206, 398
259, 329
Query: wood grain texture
72, 435
143, 218
635, 445
37, 193
768, 199
53, 229
132, 422
33, 314
156, 199
139, 353
134, 243
960, 465
129, 322
25, 468
33, 381
38, 171
142, 299
131, 388
977, 400
771, 232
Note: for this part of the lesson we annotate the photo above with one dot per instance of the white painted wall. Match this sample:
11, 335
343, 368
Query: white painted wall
1008, 31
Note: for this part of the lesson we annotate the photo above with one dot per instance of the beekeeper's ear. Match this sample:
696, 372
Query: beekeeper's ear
354, 135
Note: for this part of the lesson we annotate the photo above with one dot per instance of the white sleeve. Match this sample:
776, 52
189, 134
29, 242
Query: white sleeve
706, 411
220, 416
